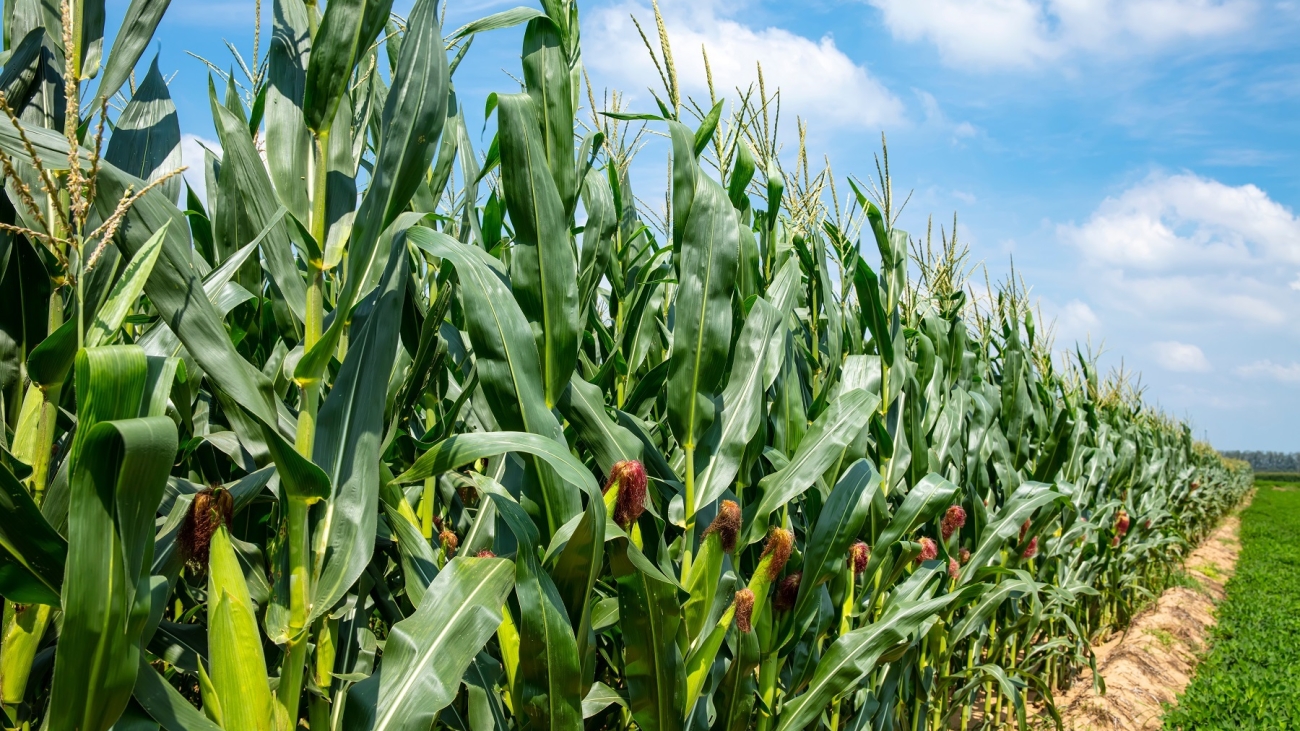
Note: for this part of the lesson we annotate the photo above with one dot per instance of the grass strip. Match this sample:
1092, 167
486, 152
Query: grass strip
1251, 679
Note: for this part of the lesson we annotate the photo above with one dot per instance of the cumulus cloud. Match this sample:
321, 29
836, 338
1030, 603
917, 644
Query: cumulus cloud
815, 77
1180, 357
1024, 33
1184, 245
1187, 220
1288, 373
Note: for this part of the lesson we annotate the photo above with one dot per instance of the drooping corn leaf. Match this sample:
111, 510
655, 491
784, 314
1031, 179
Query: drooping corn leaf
34, 554
507, 362
427, 653
821, 447
117, 481
855, 654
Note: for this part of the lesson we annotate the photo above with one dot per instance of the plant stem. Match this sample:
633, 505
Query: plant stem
767, 675
430, 484
291, 673
846, 625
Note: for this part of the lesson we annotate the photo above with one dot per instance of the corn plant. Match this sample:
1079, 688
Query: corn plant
385, 432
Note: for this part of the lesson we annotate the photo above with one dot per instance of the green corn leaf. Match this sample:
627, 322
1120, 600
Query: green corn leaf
1023, 503
373, 22
855, 654
288, 141
988, 604
542, 268
497, 21
547, 80
583, 405
414, 112
597, 238
21, 67
117, 481
599, 698
650, 616
734, 699
706, 273
462, 449
146, 140
1056, 450
183, 645
821, 447
349, 439
841, 522
641, 330
49, 362
419, 564
548, 684
742, 404
127, 290
427, 653
706, 574
506, 358
333, 54
246, 188
576, 571
924, 502
34, 554
133, 36
165, 704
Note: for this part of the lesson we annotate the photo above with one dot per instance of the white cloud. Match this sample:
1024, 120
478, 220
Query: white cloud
193, 158
1289, 373
815, 77
1191, 249
1075, 322
1020, 33
1180, 357
935, 118
1184, 219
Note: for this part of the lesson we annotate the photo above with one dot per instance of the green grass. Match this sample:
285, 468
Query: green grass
1179, 577
1165, 638
1277, 477
1251, 679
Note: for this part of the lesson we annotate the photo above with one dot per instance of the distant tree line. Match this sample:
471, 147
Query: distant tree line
1268, 461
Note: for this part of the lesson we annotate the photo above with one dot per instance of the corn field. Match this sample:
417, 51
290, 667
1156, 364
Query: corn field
384, 432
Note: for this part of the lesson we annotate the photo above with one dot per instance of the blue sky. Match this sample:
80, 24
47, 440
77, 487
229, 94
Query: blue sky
1140, 159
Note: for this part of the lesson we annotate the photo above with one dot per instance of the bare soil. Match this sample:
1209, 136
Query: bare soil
1146, 667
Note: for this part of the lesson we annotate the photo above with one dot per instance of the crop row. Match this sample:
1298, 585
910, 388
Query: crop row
326, 445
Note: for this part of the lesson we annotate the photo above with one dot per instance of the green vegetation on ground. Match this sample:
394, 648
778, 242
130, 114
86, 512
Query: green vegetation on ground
1277, 476
1251, 679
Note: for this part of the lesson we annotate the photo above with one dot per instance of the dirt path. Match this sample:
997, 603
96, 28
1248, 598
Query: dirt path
1151, 663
